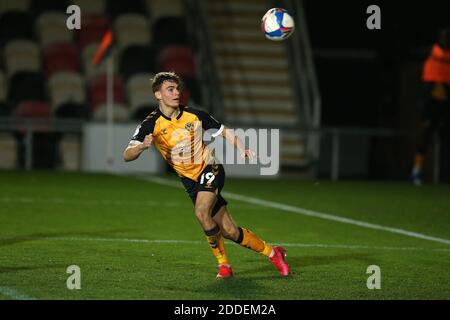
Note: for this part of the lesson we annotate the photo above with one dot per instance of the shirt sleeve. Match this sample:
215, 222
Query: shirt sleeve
142, 130
209, 122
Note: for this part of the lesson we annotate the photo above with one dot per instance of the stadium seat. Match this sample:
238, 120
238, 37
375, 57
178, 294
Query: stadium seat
139, 92
9, 147
121, 113
70, 152
5, 108
142, 112
3, 87
15, 25
137, 59
97, 88
51, 28
40, 6
16, 5
115, 8
161, 8
185, 96
72, 110
91, 70
170, 30
21, 55
26, 86
179, 59
93, 28
32, 109
64, 87
61, 57
90, 7
193, 87
131, 29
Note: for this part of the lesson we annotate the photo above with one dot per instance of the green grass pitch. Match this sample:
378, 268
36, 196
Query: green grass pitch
136, 239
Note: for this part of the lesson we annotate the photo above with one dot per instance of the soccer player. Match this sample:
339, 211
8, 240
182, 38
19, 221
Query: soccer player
436, 107
177, 132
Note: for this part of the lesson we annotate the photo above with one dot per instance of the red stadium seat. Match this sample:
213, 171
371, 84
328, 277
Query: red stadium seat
179, 59
93, 28
97, 90
32, 109
61, 57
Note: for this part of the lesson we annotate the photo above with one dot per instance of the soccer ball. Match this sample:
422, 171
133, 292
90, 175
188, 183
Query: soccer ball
277, 24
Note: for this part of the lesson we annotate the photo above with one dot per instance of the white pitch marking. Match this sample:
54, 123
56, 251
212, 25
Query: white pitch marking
89, 202
311, 213
12, 293
305, 245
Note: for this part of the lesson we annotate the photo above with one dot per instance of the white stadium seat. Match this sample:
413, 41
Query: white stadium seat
15, 5
91, 70
51, 28
21, 55
8, 156
121, 113
70, 152
66, 87
160, 8
3, 87
90, 6
139, 91
132, 29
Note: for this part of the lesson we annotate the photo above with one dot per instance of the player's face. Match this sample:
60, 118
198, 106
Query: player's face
169, 94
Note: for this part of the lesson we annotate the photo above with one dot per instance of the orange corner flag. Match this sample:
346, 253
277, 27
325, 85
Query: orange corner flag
104, 48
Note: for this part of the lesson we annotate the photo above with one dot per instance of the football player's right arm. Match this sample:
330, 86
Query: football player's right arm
135, 148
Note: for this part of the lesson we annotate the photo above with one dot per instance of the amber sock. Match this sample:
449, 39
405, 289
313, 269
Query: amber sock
215, 240
251, 241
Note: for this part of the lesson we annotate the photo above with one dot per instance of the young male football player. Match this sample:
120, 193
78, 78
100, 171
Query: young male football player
177, 132
436, 104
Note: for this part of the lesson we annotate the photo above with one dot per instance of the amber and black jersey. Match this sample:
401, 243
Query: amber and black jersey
180, 139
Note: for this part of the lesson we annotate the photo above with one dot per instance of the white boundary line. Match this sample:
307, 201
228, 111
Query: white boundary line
197, 242
311, 213
104, 202
12, 293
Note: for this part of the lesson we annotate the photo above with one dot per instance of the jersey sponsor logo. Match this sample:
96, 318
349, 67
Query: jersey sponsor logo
189, 126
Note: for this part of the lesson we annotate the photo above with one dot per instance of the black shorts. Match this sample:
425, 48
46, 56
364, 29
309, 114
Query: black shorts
211, 179
434, 111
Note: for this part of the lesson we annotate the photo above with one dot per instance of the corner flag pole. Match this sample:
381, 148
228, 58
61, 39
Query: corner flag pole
109, 113
103, 53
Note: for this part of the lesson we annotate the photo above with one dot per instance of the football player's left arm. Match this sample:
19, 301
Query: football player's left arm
229, 135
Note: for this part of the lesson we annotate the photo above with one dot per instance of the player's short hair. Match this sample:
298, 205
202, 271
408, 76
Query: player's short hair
160, 77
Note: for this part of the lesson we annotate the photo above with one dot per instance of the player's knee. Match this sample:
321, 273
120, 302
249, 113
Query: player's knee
230, 232
201, 211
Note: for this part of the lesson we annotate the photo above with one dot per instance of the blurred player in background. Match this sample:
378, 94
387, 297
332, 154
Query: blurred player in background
436, 105
177, 132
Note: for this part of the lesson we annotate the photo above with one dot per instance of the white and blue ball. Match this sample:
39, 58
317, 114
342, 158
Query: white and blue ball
277, 24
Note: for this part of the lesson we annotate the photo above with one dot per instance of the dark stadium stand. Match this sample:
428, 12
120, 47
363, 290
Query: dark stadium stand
15, 25
26, 85
46, 70
137, 59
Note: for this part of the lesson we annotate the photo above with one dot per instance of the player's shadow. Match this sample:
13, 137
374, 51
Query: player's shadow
238, 287
297, 263
44, 235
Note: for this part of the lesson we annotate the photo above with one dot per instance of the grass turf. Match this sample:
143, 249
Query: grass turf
49, 221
